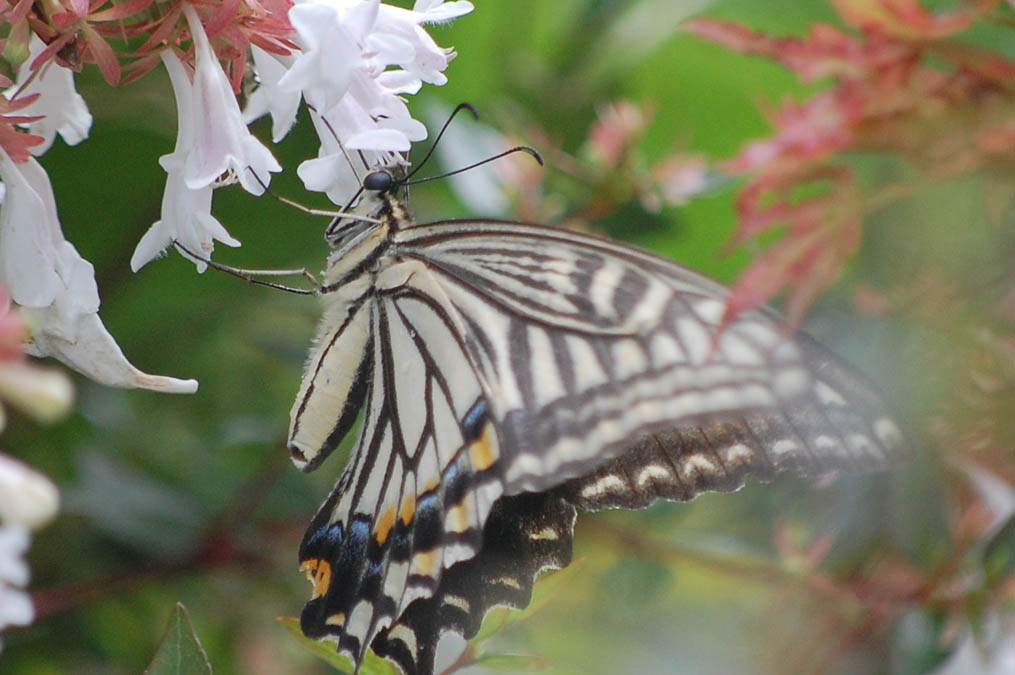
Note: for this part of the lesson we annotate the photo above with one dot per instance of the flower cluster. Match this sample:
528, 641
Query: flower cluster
351, 61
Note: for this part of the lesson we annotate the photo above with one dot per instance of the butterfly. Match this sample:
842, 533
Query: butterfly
508, 376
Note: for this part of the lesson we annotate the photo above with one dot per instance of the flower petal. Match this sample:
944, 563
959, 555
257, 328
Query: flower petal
93, 352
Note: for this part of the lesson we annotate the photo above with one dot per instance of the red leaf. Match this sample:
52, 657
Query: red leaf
805, 132
102, 55
807, 262
121, 11
165, 28
141, 66
908, 19
825, 52
19, 11
17, 143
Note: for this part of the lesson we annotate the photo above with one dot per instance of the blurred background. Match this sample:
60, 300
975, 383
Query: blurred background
898, 224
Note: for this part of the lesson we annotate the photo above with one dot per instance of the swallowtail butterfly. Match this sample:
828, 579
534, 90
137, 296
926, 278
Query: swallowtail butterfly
511, 375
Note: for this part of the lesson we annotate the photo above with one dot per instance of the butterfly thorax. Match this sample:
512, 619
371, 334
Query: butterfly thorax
359, 245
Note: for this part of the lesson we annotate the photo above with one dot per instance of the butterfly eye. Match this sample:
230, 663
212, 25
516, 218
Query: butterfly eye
378, 181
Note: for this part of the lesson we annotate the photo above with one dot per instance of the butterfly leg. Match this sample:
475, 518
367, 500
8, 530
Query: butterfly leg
251, 275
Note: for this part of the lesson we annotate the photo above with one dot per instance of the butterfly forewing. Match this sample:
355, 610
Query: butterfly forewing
521, 371
585, 343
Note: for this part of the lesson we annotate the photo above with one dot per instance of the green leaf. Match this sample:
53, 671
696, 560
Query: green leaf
372, 664
512, 663
180, 652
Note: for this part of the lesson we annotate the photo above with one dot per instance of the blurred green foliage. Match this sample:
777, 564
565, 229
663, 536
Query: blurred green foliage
193, 499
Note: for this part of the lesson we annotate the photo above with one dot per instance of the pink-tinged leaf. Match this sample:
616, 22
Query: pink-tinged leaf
121, 11
17, 143
805, 132
908, 19
140, 67
99, 51
8, 106
51, 50
19, 11
22, 120
276, 28
756, 218
279, 8
825, 52
272, 46
619, 127
160, 36
807, 263
982, 63
822, 233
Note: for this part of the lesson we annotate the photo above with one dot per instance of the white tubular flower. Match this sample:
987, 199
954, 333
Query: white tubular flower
56, 287
331, 36
269, 98
186, 211
331, 171
221, 140
28, 500
15, 605
357, 58
63, 110
400, 39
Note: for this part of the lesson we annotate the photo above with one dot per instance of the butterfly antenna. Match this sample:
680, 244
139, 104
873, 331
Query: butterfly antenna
433, 146
519, 148
341, 146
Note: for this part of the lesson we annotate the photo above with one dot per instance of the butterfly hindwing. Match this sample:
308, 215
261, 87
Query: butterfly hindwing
523, 535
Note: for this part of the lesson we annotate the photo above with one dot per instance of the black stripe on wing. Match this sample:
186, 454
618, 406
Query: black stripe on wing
417, 490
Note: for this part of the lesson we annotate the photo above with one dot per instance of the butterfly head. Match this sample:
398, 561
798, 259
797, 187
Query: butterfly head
373, 203
379, 181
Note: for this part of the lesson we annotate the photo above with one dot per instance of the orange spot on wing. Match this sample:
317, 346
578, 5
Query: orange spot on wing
384, 525
425, 563
318, 572
408, 508
432, 483
482, 453
458, 518
336, 619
